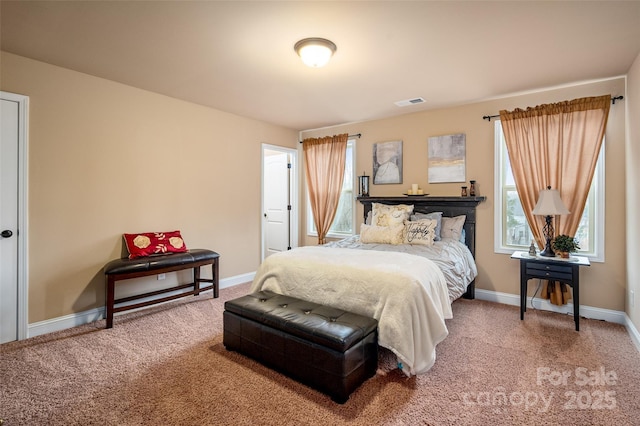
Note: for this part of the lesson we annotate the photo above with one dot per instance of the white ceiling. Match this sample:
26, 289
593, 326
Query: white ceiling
238, 56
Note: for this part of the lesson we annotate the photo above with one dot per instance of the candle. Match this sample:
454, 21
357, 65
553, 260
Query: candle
414, 188
420, 192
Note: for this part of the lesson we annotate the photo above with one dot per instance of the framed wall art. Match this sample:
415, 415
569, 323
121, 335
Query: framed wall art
387, 162
446, 161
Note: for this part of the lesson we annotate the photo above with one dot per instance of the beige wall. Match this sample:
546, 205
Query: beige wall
602, 284
632, 99
106, 158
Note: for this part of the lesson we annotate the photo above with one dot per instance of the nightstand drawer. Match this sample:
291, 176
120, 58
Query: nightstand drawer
550, 272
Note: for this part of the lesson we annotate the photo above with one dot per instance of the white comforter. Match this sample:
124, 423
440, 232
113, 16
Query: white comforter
452, 257
407, 294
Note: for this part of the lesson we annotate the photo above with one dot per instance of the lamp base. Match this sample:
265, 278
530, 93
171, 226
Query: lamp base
548, 235
548, 251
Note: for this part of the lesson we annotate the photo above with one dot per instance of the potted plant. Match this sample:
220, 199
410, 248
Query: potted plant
564, 245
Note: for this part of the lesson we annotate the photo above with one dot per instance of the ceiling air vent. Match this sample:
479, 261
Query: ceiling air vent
408, 102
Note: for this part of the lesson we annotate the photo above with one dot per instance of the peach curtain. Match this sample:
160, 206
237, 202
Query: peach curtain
324, 167
556, 145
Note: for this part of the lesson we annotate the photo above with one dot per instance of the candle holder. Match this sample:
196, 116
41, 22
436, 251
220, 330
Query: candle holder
363, 185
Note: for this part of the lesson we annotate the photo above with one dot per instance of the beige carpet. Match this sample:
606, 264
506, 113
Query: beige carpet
167, 365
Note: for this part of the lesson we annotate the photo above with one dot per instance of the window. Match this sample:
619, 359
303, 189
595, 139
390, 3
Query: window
343, 223
512, 231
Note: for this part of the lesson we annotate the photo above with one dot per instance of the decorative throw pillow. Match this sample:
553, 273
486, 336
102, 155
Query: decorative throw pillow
384, 215
433, 215
420, 231
381, 234
149, 243
452, 227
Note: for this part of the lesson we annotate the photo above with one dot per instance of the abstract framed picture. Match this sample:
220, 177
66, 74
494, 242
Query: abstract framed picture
446, 161
387, 162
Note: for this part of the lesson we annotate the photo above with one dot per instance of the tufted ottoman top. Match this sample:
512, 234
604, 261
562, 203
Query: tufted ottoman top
326, 326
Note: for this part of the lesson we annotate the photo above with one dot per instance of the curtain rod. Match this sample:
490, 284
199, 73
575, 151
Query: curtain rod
613, 101
357, 135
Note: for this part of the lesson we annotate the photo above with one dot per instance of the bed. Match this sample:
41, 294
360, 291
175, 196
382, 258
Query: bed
408, 289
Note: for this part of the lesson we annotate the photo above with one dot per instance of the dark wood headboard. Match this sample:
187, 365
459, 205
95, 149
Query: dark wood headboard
449, 206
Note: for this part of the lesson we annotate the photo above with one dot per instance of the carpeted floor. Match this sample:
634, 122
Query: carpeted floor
167, 365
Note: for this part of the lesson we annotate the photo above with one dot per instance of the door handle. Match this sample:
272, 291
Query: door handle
6, 233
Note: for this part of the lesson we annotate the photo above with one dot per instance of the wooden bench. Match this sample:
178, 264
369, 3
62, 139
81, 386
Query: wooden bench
329, 349
125, 269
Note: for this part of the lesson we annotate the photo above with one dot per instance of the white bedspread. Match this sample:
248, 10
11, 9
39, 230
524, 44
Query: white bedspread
452, 257
407, 294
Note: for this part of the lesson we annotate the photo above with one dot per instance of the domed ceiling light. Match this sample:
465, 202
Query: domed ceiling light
315, 52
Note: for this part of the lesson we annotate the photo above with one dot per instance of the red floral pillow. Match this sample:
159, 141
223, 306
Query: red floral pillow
149, 243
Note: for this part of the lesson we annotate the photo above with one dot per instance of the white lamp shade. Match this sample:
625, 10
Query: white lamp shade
550, 204
315, 52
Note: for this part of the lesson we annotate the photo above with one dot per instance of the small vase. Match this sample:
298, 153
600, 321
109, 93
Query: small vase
565, 254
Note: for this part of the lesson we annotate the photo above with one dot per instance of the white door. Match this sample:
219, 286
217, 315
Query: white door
12, 136
9, 221
277, 200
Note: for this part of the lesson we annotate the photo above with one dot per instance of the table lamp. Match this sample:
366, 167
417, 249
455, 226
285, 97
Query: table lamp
549, 204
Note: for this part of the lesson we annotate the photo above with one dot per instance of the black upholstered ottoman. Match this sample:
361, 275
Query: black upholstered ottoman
328, 349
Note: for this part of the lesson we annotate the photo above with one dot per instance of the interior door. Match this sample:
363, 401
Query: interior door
9, 132
276, 205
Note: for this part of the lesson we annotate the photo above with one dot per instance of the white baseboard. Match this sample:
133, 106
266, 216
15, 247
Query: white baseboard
633, 332
80, 318
74, 320
64, 322
544, 305
591, 312
238, 279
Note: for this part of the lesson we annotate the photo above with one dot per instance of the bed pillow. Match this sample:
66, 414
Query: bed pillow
371, 234
385, 215
149, 243
452, 227
420, 231
433, 215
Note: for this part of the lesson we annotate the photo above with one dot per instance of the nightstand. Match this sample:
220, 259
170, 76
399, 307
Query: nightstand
553, 269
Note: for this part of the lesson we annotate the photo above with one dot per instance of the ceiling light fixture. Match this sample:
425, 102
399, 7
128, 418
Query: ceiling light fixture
315, 52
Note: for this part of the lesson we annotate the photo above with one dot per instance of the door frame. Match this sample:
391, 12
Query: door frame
23, 185
293, 194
